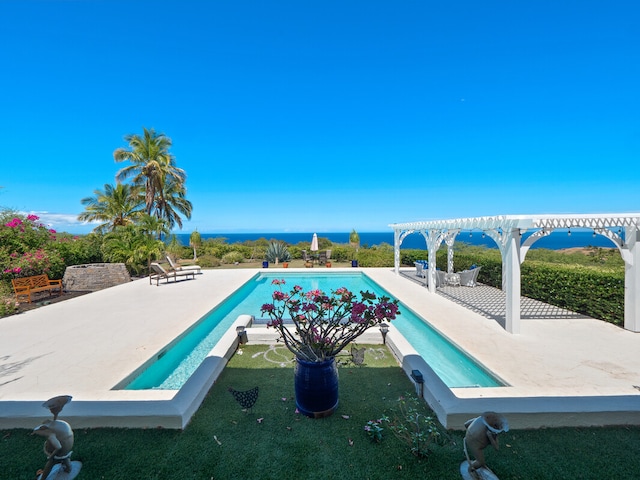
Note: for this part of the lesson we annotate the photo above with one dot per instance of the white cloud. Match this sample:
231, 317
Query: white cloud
63, 222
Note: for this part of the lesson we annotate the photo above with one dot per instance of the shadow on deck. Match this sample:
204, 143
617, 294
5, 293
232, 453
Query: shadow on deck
490, 302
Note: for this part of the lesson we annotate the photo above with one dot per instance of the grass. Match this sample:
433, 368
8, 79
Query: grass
274, 442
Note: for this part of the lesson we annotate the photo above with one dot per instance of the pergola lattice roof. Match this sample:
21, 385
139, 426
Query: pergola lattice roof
527, 221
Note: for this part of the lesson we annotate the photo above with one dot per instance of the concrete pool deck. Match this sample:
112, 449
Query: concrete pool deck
561, 370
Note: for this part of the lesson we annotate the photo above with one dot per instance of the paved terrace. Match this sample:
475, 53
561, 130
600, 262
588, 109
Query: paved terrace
563, 369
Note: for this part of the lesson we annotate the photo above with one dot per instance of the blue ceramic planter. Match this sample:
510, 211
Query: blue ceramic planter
316, 387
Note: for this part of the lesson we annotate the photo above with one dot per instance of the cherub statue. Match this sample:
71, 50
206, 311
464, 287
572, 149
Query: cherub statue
482, 431
58, 443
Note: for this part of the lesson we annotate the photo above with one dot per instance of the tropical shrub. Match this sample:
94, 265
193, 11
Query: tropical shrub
132, 246
375, 257
215, 248
8, 302
341, 253
208, 261
232, 257
78, 249
412, 426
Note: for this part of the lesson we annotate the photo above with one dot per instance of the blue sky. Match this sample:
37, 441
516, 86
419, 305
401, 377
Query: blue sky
300, 116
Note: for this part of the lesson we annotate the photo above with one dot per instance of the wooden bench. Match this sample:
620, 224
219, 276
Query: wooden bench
26, 286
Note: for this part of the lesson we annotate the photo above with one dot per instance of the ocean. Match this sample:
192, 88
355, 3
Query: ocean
558, 240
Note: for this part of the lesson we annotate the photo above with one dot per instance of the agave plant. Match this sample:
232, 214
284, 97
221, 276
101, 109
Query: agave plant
277, 252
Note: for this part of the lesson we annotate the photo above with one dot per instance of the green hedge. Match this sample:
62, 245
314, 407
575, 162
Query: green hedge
586, 290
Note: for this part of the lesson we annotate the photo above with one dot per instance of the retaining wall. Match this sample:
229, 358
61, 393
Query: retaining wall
94, 276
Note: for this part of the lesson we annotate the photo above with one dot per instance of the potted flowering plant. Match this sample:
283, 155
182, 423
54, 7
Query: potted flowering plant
315, 327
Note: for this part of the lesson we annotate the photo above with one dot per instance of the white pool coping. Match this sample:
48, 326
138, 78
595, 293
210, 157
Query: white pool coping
560, 372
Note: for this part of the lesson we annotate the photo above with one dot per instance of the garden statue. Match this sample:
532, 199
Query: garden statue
58, 444
481, 431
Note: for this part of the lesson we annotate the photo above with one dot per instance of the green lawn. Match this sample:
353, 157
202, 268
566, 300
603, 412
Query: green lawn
274, 442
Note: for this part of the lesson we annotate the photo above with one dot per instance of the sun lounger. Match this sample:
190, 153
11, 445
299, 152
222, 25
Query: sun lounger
159, 273
183, 268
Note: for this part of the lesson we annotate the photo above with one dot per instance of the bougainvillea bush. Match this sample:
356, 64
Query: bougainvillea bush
28, 247
25, 248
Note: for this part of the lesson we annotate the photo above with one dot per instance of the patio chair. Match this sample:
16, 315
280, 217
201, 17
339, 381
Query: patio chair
158, 273
468, 277
322, 258
183, 268
421, 268
440, 277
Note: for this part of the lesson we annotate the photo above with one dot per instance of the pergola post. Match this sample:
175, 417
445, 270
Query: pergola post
396, 250
511, 269
450, 239
632, 280
433, 243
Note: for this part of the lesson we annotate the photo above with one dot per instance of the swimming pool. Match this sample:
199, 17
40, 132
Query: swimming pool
175, 364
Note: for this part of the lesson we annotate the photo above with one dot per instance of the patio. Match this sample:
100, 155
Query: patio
562, 370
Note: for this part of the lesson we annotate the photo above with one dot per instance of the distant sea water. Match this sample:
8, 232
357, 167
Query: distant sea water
558, 240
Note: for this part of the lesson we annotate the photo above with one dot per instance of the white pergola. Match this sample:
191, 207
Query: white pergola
507, 231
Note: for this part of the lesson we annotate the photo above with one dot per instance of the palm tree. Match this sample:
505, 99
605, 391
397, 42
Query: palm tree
172, 203
115, 206
152, 226
132, 246
152, 166
195, 241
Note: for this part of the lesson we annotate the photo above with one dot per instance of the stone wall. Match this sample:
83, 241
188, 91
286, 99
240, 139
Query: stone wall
94, 276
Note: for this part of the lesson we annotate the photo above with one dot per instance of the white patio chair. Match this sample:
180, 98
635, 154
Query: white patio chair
468, 277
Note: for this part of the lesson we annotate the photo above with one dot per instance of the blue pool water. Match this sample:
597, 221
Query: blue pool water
176, 364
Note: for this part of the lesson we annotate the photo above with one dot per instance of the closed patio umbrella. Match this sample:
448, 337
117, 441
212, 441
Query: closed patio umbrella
314, 243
